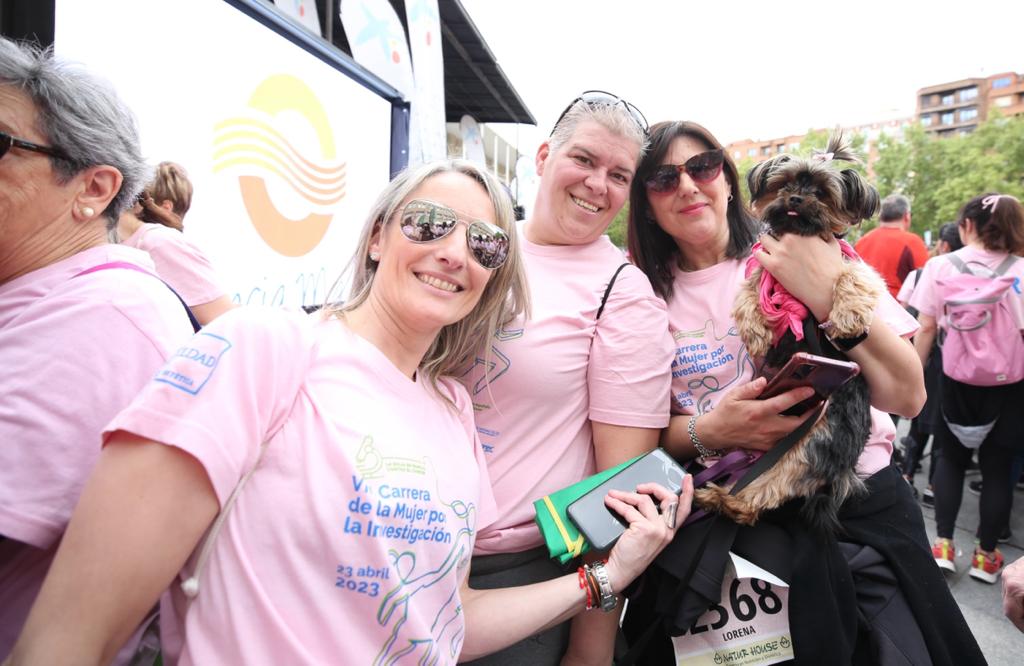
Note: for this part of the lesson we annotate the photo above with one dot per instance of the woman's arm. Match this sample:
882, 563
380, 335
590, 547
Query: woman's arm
925, 337
207, 312
141, 514
739, 420
496, 619
808, 268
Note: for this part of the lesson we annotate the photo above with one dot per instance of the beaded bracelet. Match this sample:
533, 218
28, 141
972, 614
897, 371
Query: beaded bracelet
691, 430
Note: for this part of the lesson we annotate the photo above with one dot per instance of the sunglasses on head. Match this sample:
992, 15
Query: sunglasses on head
424, 221
7, 142
593, 98
702, 168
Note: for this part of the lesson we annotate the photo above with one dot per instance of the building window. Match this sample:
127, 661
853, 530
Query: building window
948, 99
1005, 100
1002, 82
766, 150
926, 120
966, 130
947, 118
793, 147
779, 148
968, 93
968, 114
736, 154
752, 152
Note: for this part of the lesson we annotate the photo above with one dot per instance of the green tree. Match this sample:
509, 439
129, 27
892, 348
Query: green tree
617, 229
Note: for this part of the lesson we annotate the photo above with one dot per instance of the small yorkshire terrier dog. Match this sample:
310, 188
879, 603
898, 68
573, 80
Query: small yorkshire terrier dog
809, 197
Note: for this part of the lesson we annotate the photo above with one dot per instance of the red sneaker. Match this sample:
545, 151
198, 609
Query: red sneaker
986, 566
945, 554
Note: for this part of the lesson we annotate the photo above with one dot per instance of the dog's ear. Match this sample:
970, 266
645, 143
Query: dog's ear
860, 199
757, 178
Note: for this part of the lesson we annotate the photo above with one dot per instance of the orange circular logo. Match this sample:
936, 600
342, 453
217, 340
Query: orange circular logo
256, 147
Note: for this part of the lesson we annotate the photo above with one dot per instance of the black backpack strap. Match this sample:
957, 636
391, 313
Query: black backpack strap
608, 289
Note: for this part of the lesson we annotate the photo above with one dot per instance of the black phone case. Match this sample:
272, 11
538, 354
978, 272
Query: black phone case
602, 526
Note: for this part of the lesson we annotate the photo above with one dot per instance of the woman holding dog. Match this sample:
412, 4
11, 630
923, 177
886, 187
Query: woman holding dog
342, 458
992, 229
691, 233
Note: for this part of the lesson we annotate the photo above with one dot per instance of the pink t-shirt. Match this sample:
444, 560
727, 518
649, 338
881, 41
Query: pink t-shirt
180, 263
350, 540
76, 350
928, 300
710, 359
545, 379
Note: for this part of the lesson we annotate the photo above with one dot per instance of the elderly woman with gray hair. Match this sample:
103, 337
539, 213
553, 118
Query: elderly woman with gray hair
79, 340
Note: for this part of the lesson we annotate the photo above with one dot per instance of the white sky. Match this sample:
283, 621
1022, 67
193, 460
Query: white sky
745, 68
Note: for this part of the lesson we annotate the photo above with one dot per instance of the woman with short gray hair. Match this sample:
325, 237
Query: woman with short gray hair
82, 324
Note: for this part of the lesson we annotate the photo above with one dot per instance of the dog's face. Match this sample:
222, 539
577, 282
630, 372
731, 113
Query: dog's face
806, 198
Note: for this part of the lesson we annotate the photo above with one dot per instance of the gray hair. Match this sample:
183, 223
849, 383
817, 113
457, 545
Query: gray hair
503, 299
80, 115
613, 117
894, 207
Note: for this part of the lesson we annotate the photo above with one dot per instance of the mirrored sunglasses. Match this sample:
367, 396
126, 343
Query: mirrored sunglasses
7, 142
595, 98
702, 168
424, 221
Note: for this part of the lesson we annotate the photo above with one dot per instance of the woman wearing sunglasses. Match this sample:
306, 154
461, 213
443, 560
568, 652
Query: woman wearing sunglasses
343, 461
78, 343
576, 388
691, 233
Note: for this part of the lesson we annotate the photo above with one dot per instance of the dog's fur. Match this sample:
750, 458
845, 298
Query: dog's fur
820, 468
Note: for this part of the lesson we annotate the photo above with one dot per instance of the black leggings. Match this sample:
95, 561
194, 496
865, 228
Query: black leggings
948, 485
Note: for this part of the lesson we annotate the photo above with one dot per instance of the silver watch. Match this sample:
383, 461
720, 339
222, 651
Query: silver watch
607, 596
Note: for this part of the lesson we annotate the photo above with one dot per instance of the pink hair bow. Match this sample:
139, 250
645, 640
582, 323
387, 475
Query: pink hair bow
823, 157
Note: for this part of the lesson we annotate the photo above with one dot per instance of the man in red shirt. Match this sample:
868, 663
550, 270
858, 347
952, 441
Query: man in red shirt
890, 248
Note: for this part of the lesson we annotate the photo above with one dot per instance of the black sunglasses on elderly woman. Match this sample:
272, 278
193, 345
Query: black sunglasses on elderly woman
702, 168
7, 142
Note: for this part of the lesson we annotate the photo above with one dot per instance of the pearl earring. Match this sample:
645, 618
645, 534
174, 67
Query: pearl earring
88, 211
374, 256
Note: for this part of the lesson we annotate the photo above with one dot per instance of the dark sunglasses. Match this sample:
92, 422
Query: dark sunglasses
7, 142
702, 168
424, 221
594, 98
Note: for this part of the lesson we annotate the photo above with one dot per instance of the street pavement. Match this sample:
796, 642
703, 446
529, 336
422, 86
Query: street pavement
981, 603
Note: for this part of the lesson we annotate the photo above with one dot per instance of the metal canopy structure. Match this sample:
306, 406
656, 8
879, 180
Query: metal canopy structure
473, 81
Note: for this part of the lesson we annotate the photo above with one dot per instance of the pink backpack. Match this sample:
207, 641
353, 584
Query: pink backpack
983, 344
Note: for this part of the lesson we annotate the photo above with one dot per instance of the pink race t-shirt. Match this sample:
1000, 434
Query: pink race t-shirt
710, 358
927, 298
76, 350
180, 263
545, 379
350, 540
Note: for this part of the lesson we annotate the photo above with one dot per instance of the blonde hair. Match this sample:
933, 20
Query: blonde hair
171, 183
504, 298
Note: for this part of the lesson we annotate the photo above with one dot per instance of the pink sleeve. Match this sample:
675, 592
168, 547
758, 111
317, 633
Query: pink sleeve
629, 374
225, 391
907, 288
896, 316
182, 265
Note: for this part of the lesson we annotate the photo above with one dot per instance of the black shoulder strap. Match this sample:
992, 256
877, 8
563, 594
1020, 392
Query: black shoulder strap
608, 289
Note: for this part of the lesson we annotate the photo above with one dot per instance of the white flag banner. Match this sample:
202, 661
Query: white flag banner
472, 141
378, 42
427, 137
303, 11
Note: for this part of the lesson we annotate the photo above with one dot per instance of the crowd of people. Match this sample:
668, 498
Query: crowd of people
195, 482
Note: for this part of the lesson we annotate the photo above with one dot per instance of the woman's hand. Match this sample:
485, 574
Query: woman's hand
741, 420
649, 532
806, 266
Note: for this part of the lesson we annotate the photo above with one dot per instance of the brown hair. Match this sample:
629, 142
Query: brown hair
998, 220
650, 248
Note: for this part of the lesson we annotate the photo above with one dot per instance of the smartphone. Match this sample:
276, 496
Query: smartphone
823, 374
600, 525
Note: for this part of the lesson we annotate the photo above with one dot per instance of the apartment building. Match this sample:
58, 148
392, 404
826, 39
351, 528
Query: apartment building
957, 107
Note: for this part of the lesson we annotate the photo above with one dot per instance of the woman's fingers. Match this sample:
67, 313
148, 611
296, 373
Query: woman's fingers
640, 501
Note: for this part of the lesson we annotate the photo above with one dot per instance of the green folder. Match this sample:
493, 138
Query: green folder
563, 540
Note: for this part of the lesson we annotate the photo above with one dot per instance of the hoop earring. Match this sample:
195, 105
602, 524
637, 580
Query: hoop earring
730, 198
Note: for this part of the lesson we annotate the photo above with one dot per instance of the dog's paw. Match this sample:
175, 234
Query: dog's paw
856, 294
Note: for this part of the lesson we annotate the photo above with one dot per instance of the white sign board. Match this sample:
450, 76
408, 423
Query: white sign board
286, 153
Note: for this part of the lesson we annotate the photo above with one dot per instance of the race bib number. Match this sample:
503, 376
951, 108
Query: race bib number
749, 625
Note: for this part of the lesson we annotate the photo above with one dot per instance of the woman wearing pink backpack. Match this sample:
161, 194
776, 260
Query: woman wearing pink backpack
973, 298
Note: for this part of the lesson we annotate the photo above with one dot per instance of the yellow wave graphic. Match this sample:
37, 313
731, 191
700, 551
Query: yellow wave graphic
258, 153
